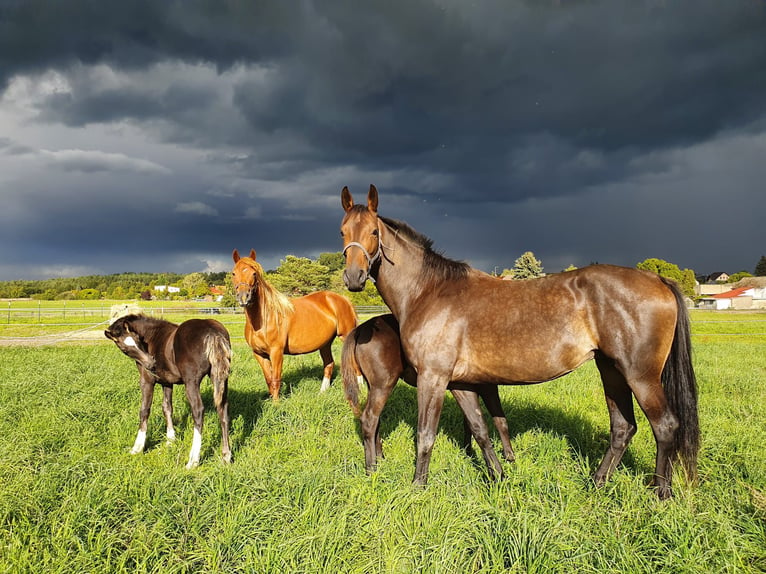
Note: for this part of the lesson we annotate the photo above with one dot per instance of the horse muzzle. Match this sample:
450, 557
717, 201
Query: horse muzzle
355, 278
243, 298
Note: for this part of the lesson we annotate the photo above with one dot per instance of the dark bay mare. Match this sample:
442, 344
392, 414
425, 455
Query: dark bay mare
276, 326
460, 324
374, 349
171, 354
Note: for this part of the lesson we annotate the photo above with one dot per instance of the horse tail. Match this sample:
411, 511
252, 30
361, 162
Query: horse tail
680, 385
218, 351
350, 370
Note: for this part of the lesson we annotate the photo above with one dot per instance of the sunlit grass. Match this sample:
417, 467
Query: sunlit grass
297, 499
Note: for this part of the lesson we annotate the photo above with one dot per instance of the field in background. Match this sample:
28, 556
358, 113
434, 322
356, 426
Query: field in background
297, 499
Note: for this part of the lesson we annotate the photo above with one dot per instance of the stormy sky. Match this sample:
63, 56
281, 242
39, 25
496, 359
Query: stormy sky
159, 135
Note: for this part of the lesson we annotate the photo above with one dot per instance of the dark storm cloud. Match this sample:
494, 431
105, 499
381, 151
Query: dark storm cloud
495, 118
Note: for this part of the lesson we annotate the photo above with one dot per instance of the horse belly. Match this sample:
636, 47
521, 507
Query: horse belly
521, 357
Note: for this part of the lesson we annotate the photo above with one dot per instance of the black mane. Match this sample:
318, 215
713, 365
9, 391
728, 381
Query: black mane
436, 267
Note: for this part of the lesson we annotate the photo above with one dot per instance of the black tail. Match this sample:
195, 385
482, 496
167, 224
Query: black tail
349, 369
218, 349
680, 385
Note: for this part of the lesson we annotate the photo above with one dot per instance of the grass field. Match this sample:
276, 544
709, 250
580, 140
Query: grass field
297, 499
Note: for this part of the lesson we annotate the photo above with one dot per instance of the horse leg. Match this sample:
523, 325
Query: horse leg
651, 398
147, 392
197, 409
490, 394
167, 410
329, 364
622, 420
222, 406
277, 359
267, 374
370, 419
469, 404
431, 388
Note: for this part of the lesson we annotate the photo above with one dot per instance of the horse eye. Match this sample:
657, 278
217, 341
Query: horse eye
375, 232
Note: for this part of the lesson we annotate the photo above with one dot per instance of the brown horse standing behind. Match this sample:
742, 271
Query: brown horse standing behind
171, 354
374, 349
276, 325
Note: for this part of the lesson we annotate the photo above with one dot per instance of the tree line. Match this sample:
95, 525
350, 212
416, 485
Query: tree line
295, 276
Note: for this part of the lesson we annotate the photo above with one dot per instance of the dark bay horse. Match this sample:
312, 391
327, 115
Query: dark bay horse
460, 324
171, 354
276, 326
374, 350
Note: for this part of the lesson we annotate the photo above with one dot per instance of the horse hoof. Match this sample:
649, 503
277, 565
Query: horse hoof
135, 451
192, 464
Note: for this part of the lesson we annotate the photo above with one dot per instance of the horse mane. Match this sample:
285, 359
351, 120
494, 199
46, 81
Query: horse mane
270, 299
436, 267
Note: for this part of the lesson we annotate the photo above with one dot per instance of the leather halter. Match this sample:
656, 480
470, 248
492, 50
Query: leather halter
370, 259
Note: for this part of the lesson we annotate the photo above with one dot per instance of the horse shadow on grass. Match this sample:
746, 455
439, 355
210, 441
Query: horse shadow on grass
584, 439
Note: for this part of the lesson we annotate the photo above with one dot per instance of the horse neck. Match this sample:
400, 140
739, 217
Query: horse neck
399, 271
265, 310
156, 333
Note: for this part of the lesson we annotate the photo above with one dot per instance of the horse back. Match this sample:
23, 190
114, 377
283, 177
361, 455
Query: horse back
539, 329
317, 319
191, 344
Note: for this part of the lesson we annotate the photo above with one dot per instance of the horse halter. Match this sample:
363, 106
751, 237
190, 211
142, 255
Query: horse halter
370, 259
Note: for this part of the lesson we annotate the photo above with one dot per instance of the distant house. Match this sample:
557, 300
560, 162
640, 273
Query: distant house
746, 297
167, 289
717, 277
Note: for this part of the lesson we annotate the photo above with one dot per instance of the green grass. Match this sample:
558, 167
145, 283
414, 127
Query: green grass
297, 499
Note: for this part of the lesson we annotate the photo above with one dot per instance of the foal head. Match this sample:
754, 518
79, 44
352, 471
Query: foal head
361, 238
246, 275
129, 341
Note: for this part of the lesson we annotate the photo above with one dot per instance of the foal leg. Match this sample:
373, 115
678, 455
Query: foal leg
167, 410
490, 394
329, 364
222, 406
197, 409
370, 418
147, 392
622, 419
469, 403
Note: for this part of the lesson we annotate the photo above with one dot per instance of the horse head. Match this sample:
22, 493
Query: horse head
361, 238
245, 277
130, 342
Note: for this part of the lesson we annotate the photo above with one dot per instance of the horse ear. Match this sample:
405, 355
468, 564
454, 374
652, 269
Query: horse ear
372, 199
252, 254
235, 255
345, 199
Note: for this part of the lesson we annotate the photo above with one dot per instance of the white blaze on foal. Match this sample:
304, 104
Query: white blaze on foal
130, 341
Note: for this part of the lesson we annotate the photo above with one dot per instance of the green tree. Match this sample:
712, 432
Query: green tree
734, 277
333, 261
760, 268
527, 267
685, 278
195, 285
297, 276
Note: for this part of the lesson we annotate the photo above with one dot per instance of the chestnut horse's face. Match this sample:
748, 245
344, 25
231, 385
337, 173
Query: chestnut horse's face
244, 277
361, 238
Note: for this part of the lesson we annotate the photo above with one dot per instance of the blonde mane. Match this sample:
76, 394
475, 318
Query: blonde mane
270, 300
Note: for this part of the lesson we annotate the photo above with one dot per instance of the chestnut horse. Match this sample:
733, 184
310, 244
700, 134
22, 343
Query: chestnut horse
375, 350
460, 324
171, 354
276, 325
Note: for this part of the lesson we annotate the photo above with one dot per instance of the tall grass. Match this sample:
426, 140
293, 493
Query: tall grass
297, 499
